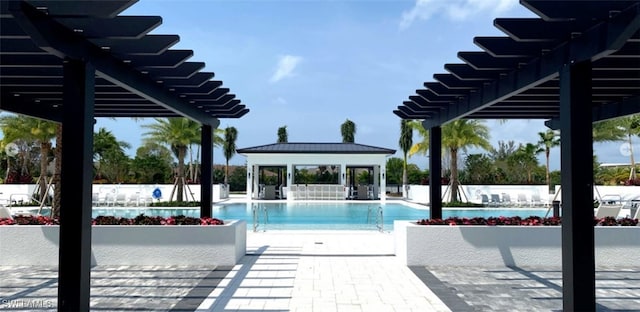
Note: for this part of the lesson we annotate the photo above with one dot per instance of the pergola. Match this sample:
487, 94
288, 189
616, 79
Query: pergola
341, 155
576, 64
72, 61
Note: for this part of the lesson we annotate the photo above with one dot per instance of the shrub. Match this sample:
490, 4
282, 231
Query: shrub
111, 220
532, 220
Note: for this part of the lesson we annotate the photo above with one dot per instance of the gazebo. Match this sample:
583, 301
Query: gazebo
339, 163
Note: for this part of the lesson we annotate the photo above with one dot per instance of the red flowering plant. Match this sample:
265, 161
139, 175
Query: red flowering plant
532, 221
111, 220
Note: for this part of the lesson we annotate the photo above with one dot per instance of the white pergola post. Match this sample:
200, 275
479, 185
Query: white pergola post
383, 181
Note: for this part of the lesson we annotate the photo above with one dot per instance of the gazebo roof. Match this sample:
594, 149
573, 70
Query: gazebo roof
315, 148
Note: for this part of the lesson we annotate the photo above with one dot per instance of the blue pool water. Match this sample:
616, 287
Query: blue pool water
320, 216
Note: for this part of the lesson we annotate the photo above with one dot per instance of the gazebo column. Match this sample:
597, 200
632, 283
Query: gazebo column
383, 181
435, 172
249, 180
578, 256
255, 173
376, 181
206, 176
74, 273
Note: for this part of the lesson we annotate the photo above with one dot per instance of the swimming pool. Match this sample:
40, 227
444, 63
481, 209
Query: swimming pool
320, 216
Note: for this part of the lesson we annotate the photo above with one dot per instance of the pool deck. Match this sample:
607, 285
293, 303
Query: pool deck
318, 271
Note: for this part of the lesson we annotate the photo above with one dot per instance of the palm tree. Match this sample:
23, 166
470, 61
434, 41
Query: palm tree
348, 131
104, 145
548, 140
524, 158
405, 142
421, 147
229, 149
458, 135
37, 130
619, 129
282, 135
178, 133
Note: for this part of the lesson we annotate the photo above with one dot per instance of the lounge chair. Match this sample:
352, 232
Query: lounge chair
522, 199
485, 199
5, 213
506, 199
536, 200
495, 200
606, 209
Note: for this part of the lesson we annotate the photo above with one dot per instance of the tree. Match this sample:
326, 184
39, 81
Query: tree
107, 150
548, 140
177, 133
619, 129
479, 169
459, 135
421, 147
348, 131
405, 142
229, 149
39, 131
282, 135
152, 164
524, 160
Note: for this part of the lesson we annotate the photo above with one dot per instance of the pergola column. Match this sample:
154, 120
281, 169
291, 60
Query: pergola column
206, 173
578, 256
435, 172
74, 275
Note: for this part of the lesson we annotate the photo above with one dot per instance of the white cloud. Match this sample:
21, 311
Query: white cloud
456, 10
286, 65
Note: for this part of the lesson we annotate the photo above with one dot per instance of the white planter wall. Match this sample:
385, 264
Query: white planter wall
506, 245
131, 244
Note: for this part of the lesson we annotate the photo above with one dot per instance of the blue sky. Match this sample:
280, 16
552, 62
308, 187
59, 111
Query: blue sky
311, 64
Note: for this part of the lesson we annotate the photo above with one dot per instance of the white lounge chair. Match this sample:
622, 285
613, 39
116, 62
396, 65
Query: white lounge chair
609, 210
5, 213
522, 199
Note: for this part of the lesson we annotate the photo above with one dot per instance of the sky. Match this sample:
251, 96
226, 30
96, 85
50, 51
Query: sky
310, 65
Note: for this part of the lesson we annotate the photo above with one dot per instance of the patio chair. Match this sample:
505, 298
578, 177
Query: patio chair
637, 214
363, 192
269, 192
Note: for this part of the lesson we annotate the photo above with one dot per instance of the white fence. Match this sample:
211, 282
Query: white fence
118, 194
517, 195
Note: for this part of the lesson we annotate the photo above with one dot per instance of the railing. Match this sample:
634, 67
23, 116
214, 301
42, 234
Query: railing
379, 218
316, 192
259, 212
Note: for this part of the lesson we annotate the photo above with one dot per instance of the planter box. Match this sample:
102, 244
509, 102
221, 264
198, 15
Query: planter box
507, 245
131, 244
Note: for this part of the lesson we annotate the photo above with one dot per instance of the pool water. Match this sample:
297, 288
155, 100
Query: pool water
320, 216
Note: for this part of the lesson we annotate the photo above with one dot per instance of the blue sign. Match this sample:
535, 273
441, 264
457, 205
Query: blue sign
157, 193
